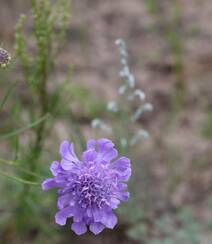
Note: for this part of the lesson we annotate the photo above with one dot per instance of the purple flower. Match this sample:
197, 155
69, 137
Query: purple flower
90, 188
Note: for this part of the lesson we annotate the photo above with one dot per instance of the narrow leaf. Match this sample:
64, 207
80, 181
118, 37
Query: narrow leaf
16, 164
18, 179
21, 130
7, 94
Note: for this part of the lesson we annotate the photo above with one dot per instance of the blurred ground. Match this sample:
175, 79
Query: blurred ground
179, 151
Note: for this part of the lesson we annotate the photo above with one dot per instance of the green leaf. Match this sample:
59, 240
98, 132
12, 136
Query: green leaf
16, 164
21, 130
7, 94
18, 179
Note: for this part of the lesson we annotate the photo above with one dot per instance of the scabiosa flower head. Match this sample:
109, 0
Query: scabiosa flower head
4, 57
90, 187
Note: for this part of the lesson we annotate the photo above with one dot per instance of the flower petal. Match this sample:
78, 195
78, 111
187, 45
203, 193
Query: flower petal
109, 219
110, 154
89, 212
106, 150
122, 168
62, 215
79, 228
97, 214
123, 196
96, 228
51, 183
55, 168
114, 203
124, 175
89, 155
122, 186
63, 201
78, 214
104, 144
91, 144
66, 164
68, 155
121, 164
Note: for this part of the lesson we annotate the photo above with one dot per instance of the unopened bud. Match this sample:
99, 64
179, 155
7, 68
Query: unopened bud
4, 57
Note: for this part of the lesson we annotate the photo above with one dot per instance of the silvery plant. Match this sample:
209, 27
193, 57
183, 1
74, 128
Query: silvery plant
127, 109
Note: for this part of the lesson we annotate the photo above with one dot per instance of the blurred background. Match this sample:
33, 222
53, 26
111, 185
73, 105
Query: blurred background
170, 54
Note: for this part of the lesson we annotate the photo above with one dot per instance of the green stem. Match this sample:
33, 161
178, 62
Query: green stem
43, 98
9, 91
21, 130
15, 164
18, 179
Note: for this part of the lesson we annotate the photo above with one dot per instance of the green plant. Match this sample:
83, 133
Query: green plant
48, 27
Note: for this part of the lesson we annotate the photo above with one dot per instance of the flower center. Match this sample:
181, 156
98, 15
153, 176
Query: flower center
91, 191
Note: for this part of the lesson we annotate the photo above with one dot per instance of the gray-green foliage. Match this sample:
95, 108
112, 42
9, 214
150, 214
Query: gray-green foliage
126, 110
170, 229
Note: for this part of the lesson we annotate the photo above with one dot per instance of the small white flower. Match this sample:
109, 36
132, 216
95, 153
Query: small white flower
100, 124
123, 142
141, 134
112, 106
122, 89
140, 94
